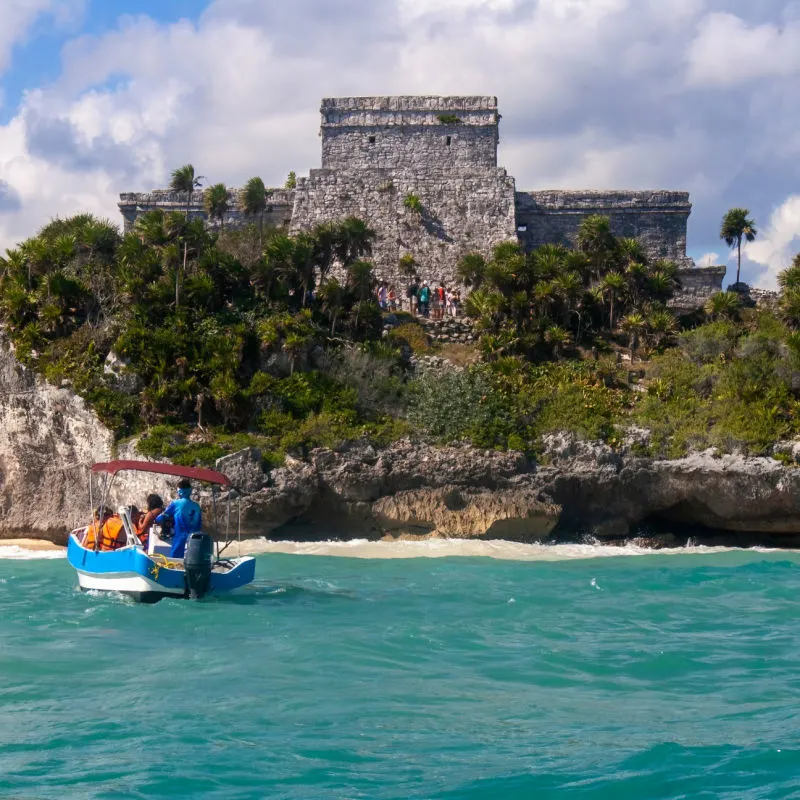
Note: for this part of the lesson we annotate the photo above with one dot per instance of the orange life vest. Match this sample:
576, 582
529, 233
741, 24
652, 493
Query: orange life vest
110, 538
90, 536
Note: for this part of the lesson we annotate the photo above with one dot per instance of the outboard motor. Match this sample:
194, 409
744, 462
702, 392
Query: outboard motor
197, 560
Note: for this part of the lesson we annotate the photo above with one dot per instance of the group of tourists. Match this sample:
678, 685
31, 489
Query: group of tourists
181, 517
421, 299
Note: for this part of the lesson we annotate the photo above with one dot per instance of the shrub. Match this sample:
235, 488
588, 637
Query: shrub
709, 342
413, 203
413, 335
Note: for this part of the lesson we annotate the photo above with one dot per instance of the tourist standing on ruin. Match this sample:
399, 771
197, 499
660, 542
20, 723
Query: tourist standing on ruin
411, 294
424, 298
392, 298
440, 298
383, 296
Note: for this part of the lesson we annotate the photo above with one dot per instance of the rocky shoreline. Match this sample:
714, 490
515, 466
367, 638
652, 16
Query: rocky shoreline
578, 491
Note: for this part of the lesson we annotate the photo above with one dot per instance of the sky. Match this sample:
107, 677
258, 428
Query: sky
99, 97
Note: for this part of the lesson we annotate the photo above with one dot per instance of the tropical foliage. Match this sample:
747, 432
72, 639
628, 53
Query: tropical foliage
235, 337
538, 304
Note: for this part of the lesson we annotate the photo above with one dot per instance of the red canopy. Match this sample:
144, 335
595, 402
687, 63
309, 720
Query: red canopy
195, 473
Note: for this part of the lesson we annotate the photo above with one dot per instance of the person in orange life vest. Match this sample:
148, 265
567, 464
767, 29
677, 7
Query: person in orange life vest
106, 532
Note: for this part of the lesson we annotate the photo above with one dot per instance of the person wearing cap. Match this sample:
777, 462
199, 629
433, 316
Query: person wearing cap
186, 518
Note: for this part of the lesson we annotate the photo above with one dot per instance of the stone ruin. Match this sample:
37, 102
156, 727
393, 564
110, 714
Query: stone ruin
422, 171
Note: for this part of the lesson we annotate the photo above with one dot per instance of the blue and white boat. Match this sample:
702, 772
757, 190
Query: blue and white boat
148, 574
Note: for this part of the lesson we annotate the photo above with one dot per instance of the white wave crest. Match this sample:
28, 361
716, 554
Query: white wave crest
448, 548
18, 553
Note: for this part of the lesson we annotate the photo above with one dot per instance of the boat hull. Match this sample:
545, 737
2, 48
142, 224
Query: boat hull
132, 572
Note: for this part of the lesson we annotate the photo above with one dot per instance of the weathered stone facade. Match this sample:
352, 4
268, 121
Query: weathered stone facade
379, 151
656, 219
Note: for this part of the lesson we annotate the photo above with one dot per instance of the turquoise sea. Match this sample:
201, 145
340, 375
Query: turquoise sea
639, 676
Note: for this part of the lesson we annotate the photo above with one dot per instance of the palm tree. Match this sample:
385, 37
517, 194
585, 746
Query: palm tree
331, 295
789, 306
360, 281
790, 277
549, 260
723, 305
557, 338
596, 240
613, 286
184, 180
354, 242
471, 270
484, 305
633, 325
254, 202
216, 202
661, 325
737, 225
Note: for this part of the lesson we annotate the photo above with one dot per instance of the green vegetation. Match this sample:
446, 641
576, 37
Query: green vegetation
254, 337
540, 304
448, 119
413, 203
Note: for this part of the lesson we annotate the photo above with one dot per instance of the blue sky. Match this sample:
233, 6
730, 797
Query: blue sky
36, 57
104, 96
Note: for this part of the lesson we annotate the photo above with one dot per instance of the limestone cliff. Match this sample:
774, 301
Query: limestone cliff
49, 439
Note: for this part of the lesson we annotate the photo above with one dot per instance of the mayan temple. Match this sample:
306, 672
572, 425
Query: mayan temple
422, 171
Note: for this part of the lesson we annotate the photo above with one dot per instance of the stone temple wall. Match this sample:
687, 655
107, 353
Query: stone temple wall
407, 133
461, 213
697, 285
133, 205
657, 219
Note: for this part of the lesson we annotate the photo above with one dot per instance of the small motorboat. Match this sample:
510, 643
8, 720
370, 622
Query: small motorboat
148, 574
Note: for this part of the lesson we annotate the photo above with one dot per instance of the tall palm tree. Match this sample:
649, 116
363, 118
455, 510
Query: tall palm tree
613, 286
216, 202
254, 202
597, 242
737, 225
183, 179
360, 280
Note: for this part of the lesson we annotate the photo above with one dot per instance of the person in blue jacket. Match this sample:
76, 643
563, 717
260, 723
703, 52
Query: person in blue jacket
185, 515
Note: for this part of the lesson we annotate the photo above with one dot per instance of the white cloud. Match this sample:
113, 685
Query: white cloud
709, 260
594, 93
777, 244
727, 51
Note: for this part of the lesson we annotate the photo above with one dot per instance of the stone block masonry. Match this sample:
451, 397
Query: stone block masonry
376, 151
460, 213
657, 219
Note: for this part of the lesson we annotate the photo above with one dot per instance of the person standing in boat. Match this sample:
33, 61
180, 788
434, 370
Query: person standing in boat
185, 515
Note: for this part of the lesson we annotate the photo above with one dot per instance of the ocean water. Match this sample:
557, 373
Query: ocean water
564, 675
